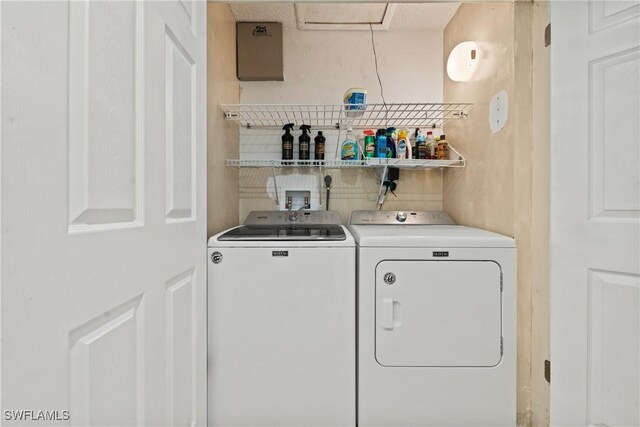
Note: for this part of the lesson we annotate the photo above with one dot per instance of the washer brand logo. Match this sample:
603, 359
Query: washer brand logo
440, 254
389, 278
216, 257
279, 253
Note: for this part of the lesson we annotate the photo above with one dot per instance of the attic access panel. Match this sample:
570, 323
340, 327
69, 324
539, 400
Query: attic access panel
344, 16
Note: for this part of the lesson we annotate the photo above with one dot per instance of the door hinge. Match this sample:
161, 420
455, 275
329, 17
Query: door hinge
501, 282
547, 370
547, 35
501, 346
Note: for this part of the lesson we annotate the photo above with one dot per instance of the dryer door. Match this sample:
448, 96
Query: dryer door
438, 313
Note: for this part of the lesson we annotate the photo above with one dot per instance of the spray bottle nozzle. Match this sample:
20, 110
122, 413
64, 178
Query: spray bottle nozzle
305, 128
288, 126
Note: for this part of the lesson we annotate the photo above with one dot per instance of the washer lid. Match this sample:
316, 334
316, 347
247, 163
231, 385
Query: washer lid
428, 236
285, 233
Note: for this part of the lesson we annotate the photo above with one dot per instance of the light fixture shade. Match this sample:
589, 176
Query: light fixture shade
463, 61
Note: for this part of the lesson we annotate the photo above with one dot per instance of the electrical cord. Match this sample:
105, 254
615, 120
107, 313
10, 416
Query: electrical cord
375, 57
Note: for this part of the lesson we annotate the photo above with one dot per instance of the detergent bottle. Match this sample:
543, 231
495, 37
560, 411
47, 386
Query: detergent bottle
404, 145
370, 143
391, 142
381, 143
349, 147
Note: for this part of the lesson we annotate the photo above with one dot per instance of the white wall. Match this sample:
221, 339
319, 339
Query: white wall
319, 66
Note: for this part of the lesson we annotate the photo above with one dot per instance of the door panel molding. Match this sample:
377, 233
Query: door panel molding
180, 315
106, 367
106, 115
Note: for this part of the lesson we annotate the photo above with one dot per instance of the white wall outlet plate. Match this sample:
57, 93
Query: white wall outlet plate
499, 111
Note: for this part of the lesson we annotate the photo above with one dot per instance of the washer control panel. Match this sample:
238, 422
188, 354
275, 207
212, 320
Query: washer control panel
293, 217
400, 217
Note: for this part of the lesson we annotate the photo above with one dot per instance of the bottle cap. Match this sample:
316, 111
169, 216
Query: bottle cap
320, 132
429, 132
442, 137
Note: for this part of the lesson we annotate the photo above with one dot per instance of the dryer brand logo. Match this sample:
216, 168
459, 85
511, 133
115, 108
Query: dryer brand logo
389, 278
216, 257
440, 254
279, 253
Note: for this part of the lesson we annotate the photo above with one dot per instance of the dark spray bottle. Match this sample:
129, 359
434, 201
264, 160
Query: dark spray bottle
287, 143
305, 143
319, 141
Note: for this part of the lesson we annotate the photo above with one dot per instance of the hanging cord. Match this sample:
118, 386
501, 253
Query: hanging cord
375, 57
337, 154
389, 185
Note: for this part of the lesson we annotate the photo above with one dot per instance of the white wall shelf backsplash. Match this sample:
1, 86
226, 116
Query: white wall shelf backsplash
327, 116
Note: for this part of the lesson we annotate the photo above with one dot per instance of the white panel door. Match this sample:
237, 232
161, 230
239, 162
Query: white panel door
103, 212
438, 313
595, 213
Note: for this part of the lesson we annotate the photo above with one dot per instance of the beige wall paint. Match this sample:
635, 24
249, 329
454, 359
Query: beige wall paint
540, 217
222, 136
504, 187
481, 194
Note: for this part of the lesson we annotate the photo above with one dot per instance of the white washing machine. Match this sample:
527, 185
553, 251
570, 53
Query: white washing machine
282, 322
436, 322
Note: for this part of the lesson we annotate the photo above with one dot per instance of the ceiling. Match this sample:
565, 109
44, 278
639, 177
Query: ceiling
400, 16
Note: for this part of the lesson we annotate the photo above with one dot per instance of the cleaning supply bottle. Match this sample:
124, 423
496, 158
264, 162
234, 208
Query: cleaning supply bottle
287, 143
391, 142
431, 146
319, 141
414, 147
381, 143
370, 143
421, 145
305, 143
404, 146
443, 148
350, 147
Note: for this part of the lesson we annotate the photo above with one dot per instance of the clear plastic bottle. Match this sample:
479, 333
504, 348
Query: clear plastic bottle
431, 146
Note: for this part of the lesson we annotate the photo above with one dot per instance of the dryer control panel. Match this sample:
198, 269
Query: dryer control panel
400, 218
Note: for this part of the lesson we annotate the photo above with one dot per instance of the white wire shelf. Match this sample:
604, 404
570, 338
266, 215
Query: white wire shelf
330, 164
325, 116
455, 161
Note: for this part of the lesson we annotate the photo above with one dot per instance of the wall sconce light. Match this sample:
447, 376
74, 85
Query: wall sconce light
463, 61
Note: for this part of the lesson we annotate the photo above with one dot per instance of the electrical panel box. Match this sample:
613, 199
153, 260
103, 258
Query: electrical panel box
259, 46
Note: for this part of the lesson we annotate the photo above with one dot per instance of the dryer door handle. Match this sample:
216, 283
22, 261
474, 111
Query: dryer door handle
391, 313
387, 313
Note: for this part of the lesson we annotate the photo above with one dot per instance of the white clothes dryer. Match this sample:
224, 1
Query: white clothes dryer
436, 322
